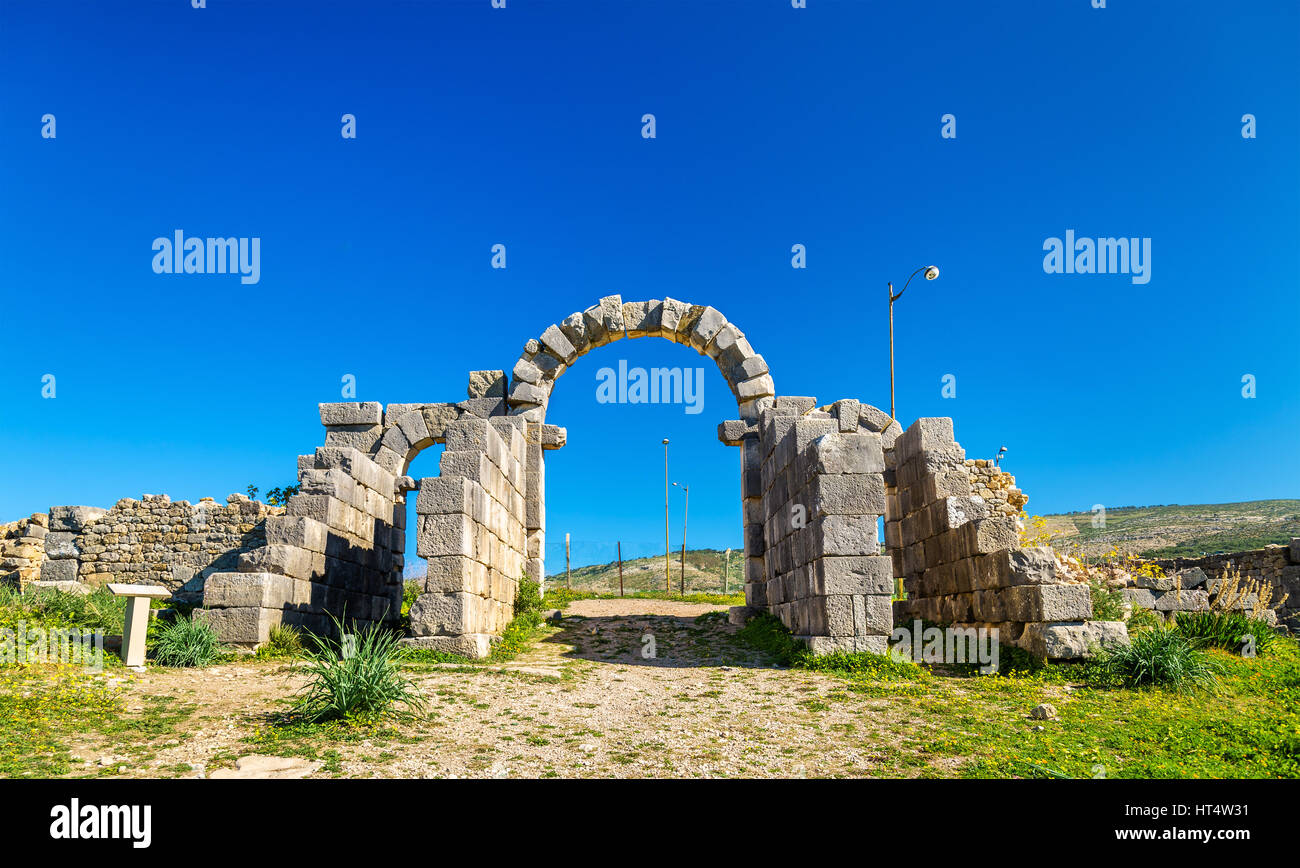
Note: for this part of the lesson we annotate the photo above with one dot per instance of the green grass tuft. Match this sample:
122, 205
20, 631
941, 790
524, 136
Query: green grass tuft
186, 643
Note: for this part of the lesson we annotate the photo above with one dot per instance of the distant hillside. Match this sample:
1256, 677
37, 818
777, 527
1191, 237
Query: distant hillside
1175, 530
703, 573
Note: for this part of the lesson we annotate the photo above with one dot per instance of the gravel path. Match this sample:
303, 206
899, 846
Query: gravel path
620, 688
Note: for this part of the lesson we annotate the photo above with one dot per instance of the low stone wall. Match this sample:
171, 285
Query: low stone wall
152, 541
1276, 565
22, 549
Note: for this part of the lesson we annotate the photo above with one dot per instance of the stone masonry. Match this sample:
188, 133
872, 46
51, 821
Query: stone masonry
471, 532
815, 483
961, 561
22, 549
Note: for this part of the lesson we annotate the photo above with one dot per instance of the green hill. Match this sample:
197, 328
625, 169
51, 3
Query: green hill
704, 569
1175, 530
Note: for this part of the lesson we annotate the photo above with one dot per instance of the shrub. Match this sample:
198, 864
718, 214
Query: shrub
1227, 630
285, 642
1107, 602
356, 678
528, 601
1158, 657
1143, 619
186, 643
1233, 592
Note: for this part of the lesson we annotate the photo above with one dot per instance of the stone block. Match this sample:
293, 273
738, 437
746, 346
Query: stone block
846, 494
59, 570
248, 590
487, 384
604, 321
245, 626
296, 530
61, 544
474, 645
1072, 641
73, 518
559, 345
829, 576
351, 413
1183, 601
847, 453
843, 535
1047, 603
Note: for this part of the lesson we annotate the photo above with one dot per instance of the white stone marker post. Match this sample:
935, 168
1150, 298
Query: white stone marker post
137, 618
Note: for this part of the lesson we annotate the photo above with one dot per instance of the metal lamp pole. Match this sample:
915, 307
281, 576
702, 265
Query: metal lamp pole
686, 489
931, 272
668, 546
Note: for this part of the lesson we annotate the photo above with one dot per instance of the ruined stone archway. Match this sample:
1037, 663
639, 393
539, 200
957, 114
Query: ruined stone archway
815, 480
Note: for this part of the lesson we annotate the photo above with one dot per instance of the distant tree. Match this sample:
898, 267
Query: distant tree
280, 496
252, 492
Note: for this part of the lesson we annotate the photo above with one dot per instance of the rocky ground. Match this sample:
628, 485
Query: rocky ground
621, 688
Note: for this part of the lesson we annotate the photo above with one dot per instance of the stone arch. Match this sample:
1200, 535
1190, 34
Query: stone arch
700, 327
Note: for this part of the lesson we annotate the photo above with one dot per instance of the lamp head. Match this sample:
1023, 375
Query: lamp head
931, 272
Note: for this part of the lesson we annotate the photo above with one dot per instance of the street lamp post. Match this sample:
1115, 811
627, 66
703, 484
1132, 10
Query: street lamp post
668, 546
931, 272
686, 489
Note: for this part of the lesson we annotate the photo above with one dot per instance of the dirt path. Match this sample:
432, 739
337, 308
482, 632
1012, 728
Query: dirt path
607, 693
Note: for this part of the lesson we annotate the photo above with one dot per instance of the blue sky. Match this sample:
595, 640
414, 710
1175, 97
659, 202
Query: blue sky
775, 126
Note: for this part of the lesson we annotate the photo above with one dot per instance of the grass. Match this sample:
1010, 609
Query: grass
979, 727
1231, 631
98, 610
356, 678
186, 642
285, 643
1159, 657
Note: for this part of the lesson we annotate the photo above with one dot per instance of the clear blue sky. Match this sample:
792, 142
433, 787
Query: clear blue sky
776, 126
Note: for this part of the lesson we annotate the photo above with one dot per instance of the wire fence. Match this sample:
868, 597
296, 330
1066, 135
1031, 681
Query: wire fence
638, 566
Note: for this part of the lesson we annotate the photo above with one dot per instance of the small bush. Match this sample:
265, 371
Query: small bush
1107, 602
1143, 619
411, 590
528, 601
356, 678
1158, 657
186, 643
1227, 630
285, 642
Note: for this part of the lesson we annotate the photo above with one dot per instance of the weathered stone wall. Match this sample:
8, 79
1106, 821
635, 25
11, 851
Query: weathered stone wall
148, 541
1276, 565
153, 541
22, 549
471, 530
961, 561
335, 552
996, 487
823, 493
